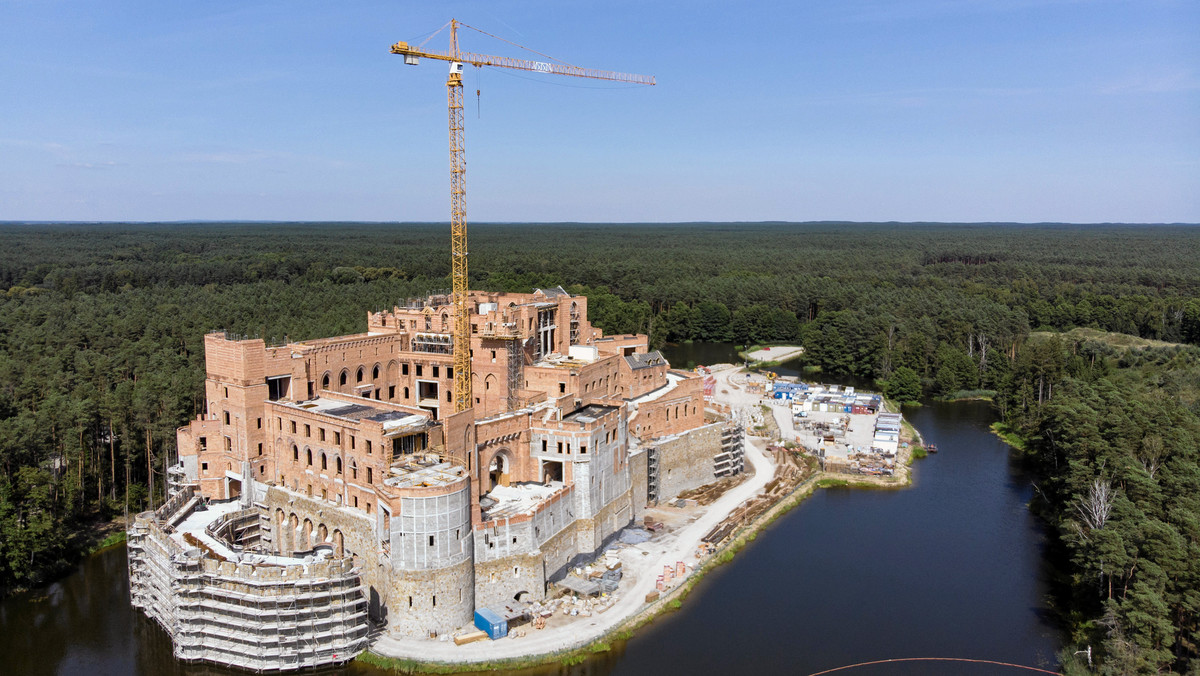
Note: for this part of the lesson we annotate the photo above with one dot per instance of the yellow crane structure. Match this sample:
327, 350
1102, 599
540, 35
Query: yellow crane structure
458, 167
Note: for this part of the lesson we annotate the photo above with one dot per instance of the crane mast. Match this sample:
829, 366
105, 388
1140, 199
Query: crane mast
461, 339
458, 232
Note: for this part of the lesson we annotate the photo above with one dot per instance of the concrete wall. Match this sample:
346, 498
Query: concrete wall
350, 530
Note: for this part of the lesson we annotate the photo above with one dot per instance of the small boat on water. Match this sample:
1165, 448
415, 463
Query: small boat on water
932, 448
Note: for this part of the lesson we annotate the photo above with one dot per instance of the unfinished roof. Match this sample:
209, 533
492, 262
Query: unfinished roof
426, 471
556, 360
392, 420
553, 292
673, 379
644, 361
332, 340
590, 413
196, 524
523, 498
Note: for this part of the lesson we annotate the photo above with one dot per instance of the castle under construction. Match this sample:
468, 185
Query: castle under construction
330, 487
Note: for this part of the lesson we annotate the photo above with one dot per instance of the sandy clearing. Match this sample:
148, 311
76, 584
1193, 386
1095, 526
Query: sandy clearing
776, 353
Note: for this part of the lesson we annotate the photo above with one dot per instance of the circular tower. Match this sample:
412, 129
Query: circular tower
432, 586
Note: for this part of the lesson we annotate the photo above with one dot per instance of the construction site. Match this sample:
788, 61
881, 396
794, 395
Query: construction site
334, 487
473, 465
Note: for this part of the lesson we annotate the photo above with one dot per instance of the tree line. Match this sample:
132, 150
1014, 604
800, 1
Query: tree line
1113, 435
101, 349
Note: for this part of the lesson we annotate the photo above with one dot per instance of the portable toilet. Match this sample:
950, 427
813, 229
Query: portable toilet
491, 622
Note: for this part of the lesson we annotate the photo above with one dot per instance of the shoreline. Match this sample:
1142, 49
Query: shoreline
669, 600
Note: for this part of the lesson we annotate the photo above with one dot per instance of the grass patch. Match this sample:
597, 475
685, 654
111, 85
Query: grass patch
113, 539
1009, 436
970, 395
919, 452
832, 483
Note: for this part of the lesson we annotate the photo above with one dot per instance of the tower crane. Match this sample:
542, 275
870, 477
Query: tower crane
458, 167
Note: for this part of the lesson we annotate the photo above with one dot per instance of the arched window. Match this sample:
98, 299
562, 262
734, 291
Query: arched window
309, 454
375, 372
325, 382
342, 378
353, 469
406, 393
324, 462
359, 375
295, 453
339, 465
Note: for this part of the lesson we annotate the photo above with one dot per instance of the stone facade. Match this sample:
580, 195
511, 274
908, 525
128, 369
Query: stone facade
690, 460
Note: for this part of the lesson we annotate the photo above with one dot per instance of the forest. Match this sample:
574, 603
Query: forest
101, 329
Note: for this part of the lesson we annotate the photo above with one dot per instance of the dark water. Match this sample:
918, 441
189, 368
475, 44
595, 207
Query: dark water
690, 355
950, 567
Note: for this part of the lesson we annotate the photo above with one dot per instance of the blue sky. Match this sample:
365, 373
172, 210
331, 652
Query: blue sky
947, 110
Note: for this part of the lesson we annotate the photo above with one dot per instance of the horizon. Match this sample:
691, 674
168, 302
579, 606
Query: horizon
589, 223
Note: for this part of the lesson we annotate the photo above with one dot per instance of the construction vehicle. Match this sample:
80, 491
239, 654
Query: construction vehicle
458, 167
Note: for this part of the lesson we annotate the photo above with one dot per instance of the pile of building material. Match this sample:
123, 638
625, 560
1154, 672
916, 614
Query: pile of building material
571, 606
708, 494
789, 472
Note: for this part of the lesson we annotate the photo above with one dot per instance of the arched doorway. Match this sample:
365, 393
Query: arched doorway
499, 469
280, 524
293, 534
306, 533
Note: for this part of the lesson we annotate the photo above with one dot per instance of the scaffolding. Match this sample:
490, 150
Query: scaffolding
516, 365
731, 459
257, 617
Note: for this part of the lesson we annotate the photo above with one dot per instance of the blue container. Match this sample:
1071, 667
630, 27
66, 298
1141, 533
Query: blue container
848, 409
489, 621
